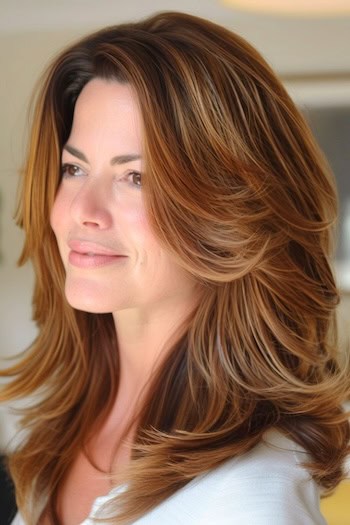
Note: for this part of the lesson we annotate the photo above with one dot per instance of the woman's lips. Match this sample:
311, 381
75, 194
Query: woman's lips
93, 260
86, 254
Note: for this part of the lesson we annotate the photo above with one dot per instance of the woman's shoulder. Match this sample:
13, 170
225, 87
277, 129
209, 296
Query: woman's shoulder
268, 485
275, 455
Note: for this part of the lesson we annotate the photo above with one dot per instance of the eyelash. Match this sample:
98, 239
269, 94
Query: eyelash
66, 167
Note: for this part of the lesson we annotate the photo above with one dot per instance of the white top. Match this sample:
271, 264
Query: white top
266, 486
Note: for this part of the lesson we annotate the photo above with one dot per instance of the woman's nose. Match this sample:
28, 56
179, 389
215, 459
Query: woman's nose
89, 207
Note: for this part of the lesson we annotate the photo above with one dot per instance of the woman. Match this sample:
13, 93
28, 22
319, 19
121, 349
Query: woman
178, 215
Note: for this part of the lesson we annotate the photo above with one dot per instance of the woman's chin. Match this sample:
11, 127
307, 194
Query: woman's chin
89, 300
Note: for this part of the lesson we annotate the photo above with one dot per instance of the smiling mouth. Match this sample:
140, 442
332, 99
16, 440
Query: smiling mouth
93, 260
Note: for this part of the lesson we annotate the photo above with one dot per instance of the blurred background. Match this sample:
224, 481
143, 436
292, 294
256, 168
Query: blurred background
309, 49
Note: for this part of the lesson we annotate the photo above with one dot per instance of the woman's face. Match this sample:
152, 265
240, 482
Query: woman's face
112, 259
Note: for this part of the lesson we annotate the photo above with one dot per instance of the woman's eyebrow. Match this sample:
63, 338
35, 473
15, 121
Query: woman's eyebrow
75, 152
123, 159
118, 159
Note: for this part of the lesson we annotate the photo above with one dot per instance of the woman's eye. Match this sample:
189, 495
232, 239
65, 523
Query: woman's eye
135, 177
70, 170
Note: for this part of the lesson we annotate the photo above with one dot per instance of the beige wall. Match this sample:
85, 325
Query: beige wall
344, 320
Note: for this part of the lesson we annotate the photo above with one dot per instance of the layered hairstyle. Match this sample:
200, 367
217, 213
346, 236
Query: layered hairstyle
238, 192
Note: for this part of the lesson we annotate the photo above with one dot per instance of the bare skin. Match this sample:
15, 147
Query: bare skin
84, 483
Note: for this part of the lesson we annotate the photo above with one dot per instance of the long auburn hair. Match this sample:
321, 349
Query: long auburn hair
238, 191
